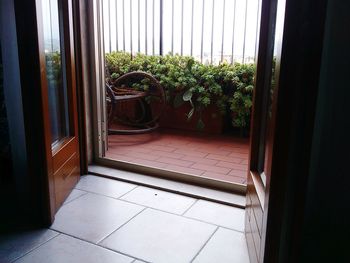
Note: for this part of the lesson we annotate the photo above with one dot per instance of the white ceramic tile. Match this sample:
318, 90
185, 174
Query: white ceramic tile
161, 200
104, 186
218, 214
156, 236
74, 195
224, 246
178, 187
71, 250
16, 245
92, 217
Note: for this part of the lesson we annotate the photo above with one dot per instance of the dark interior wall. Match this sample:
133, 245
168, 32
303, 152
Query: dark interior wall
12, 101
21, 202
6, 176
326, 229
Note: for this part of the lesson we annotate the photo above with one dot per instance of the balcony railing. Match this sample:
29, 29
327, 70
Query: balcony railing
212, 31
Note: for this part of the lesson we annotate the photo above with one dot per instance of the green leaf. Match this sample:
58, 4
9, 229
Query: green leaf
187, 95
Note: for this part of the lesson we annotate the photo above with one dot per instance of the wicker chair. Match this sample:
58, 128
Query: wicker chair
149, 104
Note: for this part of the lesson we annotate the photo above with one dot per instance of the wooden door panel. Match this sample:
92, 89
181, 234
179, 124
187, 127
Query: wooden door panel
253, 254
66, 172
56, 47
263, 124
254, 214
59, 156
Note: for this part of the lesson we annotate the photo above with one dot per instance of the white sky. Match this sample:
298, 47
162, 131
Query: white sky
113, 35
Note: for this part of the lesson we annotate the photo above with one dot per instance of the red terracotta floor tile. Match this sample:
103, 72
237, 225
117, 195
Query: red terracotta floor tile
160, 148
153, 164
191, 153
168, 160
211, 168
168, 154
220, 157
232, 165
238, 155
224, 158
224, 177
185, 170
200, 160
238, 173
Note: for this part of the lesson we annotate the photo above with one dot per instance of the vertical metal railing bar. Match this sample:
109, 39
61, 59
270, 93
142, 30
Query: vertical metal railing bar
161, 28
116, 25
257, 29
172, 27
233, 31
101, 70
151, 47
109, 26
131, 49
245, 29
223, 31
146, 27
192, 11
212, 33
123, 13
202, 33
153, 15
138, 27
182, 27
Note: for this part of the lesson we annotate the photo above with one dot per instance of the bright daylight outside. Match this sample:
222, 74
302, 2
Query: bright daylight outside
179, 84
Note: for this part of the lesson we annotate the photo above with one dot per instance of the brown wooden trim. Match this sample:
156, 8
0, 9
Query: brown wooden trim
262, 80
294, 123
80, 88
46, 118
68, 38
259, 187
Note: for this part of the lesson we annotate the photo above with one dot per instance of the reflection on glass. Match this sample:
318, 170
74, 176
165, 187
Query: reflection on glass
57, 91
273, 81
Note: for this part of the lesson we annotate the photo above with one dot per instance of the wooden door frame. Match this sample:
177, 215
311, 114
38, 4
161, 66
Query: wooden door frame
39, 173
80, 85
39, 176
299, 72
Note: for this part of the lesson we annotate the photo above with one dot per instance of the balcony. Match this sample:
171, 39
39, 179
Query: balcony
202, 55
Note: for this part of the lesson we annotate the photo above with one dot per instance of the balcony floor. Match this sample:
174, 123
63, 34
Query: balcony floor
220, 157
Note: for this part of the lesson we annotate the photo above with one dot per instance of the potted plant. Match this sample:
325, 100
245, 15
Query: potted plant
198, 95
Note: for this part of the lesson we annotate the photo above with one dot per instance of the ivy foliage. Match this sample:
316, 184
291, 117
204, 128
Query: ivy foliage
185, 80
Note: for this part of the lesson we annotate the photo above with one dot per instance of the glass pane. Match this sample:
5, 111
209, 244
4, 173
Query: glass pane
57, 89
264, 147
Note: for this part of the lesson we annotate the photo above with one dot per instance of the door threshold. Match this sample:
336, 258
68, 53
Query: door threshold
231, 198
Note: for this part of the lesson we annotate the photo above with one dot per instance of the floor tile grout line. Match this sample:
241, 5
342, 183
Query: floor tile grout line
99, 242
128, 191
169, 190
192, 163
190, 207
187, 217
181, 215
65, 203
35, 248
200, 250
97, 245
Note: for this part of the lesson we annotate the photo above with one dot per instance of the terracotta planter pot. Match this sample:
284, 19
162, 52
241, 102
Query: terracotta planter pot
176, 118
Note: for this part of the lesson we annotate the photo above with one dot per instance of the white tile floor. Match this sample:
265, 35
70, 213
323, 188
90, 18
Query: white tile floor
105, 220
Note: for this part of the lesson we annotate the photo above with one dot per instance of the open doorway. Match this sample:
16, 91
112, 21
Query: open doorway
176, 85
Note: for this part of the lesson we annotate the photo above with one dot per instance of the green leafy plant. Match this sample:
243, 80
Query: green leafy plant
185, 80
